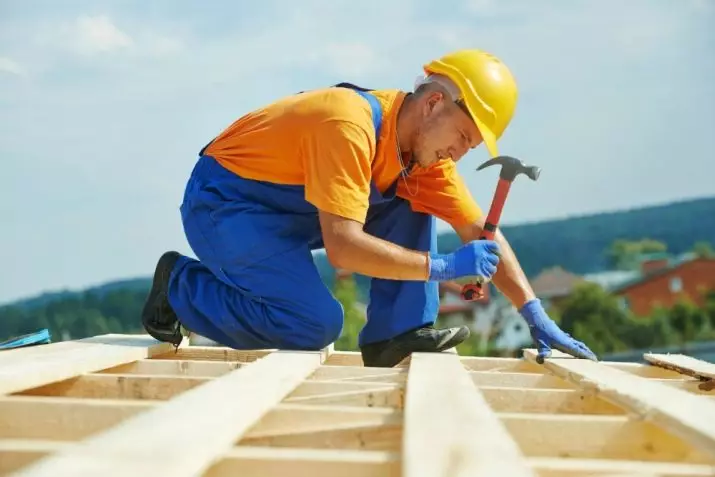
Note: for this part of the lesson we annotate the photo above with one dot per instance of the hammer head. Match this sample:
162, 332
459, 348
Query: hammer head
512, 167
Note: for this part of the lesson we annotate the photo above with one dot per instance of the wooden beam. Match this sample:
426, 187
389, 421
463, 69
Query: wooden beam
385, 436
119, 386
262, 462
178, 367
39, 365
555, 467
18, 453
449, 429
501, 365
348, 394
359, 373
685, 414
311, 388
345, 358
555, 401
682, 364
643, 370
599, 437
186, 435
214, 353
690, 385
25, 417
294, 419
508, 379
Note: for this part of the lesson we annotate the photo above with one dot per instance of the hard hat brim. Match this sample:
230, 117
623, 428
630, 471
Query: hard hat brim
490, 140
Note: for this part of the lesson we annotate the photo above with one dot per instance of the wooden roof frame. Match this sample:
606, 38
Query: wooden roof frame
116, 405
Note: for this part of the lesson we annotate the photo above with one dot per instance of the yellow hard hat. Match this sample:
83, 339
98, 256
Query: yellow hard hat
488, 90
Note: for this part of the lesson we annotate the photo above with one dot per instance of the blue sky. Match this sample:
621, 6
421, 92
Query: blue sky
103, 106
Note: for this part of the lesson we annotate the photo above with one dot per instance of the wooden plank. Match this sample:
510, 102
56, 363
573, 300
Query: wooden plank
374, 395
504, 379
598, 437
682, 364
449, 429
212, 353
53, 362
690, 385
263, 462
500, 365
684, 413
291, 419
557, 401
179, 367
554, 467
24, 417
186, 435
18, 453
119, 386
359, 373
643, 370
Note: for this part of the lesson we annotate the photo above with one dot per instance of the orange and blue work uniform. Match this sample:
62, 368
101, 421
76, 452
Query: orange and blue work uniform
250, 214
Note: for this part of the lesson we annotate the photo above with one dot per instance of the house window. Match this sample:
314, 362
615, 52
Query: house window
676, 284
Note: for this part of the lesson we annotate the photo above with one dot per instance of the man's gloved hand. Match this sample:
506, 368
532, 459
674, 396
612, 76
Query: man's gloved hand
547, 335
475, 258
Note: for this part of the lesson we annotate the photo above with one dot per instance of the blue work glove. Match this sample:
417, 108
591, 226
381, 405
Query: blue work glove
476, 258
547, 335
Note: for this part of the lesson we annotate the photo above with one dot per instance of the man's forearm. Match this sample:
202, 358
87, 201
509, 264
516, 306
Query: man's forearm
509, 278
350, 248
374, 257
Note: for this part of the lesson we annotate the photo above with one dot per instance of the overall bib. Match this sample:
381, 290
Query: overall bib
255, 284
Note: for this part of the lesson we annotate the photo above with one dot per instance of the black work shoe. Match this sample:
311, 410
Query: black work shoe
388, 353
158, 317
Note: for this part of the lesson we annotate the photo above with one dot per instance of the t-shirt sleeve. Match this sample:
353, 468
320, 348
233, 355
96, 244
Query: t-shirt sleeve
439, 190
337, 158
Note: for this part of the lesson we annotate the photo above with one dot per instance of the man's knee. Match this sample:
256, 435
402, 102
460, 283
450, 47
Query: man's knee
321, 327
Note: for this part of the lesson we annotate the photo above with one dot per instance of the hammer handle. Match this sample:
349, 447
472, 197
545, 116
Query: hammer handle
492, 222
473, 291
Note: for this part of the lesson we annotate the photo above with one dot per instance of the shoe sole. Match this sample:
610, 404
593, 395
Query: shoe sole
163, 266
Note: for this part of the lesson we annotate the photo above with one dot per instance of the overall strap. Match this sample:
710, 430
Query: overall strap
374, 105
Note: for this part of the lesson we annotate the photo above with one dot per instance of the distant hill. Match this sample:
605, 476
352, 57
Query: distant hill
576, 243
130, 284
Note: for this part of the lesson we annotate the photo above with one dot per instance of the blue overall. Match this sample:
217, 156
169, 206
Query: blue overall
255, 284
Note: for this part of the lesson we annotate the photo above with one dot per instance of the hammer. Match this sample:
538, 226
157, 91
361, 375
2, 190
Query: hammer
510, 168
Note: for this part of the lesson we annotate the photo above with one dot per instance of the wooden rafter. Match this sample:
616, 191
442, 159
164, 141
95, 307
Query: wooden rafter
117, 405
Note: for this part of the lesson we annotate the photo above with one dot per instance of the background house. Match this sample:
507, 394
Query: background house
663, 280
553, 285
493, 317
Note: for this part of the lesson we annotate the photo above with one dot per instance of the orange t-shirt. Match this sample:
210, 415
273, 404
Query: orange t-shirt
324, 140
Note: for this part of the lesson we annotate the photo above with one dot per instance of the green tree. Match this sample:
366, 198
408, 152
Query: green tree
688, 320
591, 315
345, 291
703, 249
624, 254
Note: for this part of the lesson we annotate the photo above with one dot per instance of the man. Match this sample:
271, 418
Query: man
362, 174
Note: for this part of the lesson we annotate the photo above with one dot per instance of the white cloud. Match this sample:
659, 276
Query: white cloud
98, 34
93, 36
8, 65
350, 59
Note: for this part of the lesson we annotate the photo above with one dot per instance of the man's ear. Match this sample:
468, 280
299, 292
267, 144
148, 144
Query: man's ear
434, 103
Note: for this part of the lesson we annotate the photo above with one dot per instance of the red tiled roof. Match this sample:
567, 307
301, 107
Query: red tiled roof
555, 282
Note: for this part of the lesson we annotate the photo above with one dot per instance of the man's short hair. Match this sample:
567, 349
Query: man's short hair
423, 81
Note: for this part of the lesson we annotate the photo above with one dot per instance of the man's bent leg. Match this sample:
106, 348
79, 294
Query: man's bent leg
280, 302
256, 285
401, 313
